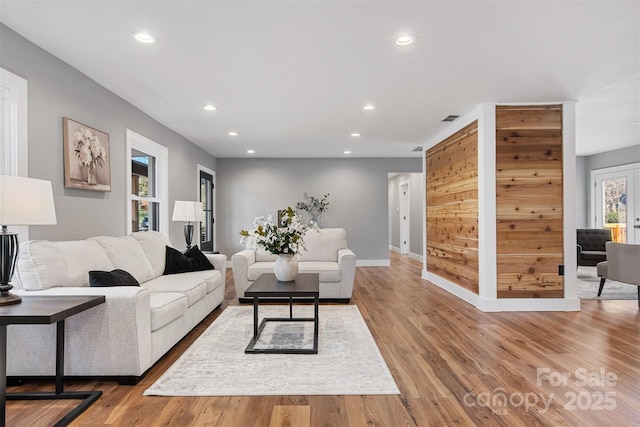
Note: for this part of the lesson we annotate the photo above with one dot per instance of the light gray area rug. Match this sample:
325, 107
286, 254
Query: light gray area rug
348, 360
589, 282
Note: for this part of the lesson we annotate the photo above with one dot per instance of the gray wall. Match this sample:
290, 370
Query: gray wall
586, 164
416, 231
358, 199
55, 90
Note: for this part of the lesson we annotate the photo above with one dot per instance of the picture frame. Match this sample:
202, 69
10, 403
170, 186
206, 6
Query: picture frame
281, 213
87, 158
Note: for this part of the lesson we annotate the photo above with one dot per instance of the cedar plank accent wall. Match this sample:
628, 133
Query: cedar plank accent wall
452, 208
529, 201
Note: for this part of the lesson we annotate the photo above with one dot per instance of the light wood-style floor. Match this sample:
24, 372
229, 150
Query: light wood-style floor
452, 363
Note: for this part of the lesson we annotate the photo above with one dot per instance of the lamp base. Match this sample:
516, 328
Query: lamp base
8, 257
7, 298
188, 234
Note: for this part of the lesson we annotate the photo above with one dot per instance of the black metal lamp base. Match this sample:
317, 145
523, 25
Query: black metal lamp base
188, 234
8, 258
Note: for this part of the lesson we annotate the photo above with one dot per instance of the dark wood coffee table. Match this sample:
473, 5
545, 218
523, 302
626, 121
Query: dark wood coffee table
305, 287
38, 310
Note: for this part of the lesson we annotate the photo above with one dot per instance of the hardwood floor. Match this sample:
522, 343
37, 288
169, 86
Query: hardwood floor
451, 362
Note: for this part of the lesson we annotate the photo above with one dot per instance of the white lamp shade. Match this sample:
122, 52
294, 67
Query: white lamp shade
187, 211
26, 201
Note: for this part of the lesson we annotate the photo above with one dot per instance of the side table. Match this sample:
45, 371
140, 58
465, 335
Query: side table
45, 310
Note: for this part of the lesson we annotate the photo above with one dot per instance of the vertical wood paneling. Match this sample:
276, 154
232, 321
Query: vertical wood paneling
529, 199
452, 208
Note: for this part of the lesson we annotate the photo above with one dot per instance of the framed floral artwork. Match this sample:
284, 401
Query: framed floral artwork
87, 162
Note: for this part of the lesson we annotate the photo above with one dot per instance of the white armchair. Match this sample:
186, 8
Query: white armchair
326, 254
622, 265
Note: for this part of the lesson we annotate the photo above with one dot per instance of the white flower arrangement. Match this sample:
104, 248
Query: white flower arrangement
89, 151
284, 238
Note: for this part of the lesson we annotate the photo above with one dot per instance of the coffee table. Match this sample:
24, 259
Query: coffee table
305, 287
38, 310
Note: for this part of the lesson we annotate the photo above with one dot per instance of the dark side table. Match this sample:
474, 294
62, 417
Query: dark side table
306, 286
39, 310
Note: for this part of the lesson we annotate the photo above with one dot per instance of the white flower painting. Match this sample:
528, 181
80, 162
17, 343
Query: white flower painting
86, 156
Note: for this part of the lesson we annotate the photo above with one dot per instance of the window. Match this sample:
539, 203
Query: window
147, 168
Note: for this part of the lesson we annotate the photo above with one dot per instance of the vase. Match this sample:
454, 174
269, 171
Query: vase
92, 176
286, 267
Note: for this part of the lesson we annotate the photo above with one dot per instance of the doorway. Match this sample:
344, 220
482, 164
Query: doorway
616, 201
207, 197
404, 217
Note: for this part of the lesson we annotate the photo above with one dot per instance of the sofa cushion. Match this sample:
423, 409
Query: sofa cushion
213, 278
166, 307
323, 244
100, 279
153, 245
48, 264
328, 271
193, 287
126, 253
191, 260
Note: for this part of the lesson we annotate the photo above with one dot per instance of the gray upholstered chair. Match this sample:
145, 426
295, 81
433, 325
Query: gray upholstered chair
591, 245
622, 265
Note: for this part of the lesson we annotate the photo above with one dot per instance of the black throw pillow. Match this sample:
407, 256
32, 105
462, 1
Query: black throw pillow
192, 260
116, 277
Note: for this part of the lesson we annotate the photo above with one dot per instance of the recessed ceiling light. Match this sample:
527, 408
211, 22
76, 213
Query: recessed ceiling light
369, 107
406, 40
251, 151
347, 152
210, 107
232, 133
143, 37
355, 134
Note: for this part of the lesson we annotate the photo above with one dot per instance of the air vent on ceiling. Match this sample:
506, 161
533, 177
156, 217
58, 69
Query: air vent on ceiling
450, 118
418, 148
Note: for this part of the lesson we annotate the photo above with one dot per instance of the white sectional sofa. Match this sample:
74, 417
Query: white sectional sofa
326, 253
135, 327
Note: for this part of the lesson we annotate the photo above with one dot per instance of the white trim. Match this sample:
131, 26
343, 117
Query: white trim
373, 263
416, 256
394, 248
215, 205
18, 132
504, 304
569, 201
405, 211
487, 215
134, 140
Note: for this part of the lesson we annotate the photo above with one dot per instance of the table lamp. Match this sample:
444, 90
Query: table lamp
23, 201
187, 211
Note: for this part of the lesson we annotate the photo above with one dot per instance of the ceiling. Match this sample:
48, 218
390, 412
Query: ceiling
291, 78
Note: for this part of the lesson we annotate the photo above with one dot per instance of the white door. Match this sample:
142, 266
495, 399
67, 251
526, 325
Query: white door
616, 201
404, 218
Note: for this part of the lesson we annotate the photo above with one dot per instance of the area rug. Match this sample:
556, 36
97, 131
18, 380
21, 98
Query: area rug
348, 360
588, 283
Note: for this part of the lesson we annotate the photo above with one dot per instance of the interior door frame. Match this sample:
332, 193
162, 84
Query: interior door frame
632, 172
205, 169
404, 217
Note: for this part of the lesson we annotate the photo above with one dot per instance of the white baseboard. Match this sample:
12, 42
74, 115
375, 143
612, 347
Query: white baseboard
415, 256
503, 304
394, 249
373, 263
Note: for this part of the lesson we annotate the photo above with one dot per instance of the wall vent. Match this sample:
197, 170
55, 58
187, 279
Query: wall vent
450, 118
